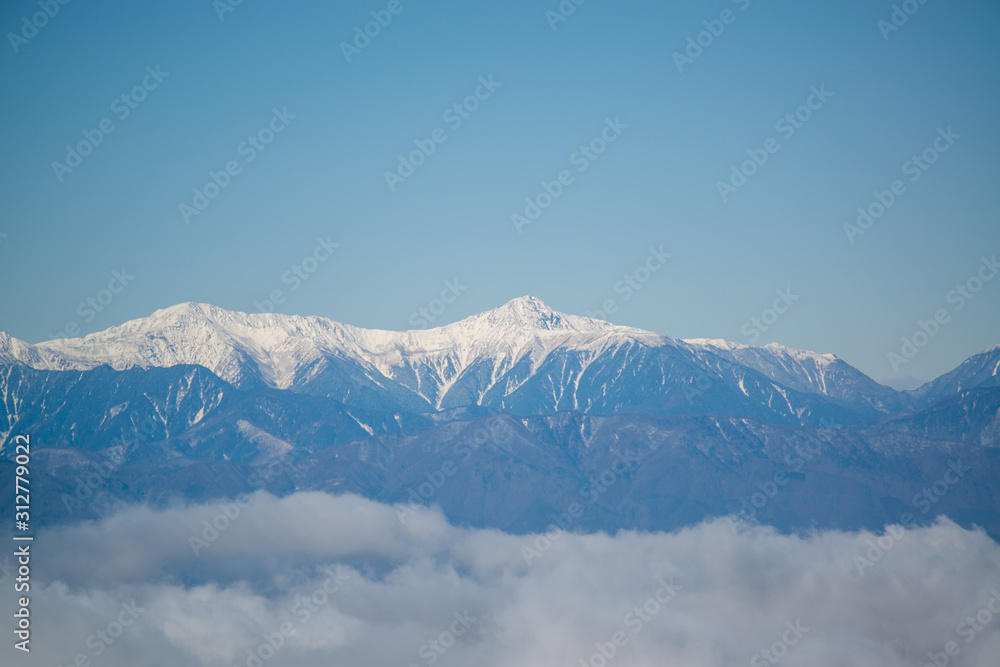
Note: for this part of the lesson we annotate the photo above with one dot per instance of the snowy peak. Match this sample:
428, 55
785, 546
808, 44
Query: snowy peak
806, 371
716, 343
801, 354
283, 351
723, 345
979, 370
522, 355
528, 313
188, 309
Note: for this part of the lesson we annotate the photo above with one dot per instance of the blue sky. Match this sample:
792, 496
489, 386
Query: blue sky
656, 184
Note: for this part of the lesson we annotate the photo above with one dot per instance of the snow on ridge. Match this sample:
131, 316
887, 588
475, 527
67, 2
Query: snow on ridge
801, 354
718, 343
281, 345
277, 348
778, 348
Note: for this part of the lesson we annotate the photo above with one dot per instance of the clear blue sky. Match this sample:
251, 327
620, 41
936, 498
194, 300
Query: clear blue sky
324, 174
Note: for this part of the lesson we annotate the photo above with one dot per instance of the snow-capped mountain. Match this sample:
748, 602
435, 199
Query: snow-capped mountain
808, 372
275, 348
978, 371
526, 406
522, 357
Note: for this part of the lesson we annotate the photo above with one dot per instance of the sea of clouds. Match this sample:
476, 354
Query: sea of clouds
316, 579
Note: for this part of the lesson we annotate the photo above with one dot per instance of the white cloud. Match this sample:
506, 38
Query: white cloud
402, 587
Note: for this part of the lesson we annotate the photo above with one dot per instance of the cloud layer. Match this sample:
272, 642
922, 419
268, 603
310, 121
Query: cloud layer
314, 579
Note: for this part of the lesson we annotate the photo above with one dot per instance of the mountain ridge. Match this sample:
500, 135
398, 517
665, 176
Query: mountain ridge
522, 355
204, 401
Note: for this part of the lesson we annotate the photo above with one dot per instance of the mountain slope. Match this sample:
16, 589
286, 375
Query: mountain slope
971, 415
521, 357
573, 403
625, 471
980, 370
810, 372
142, 415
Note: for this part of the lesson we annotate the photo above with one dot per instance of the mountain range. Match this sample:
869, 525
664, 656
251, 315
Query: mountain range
516, 412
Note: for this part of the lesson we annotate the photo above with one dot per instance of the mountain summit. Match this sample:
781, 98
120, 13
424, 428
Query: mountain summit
531, 313
536, 404
522, 357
